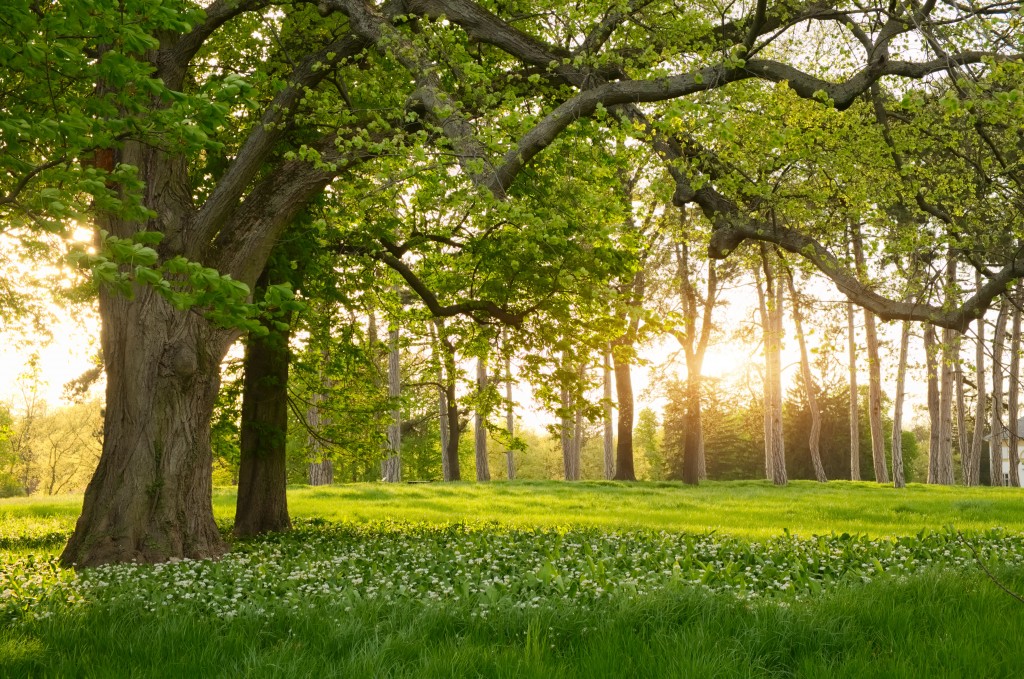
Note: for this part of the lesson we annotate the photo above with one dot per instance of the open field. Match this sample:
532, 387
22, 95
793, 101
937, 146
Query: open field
543, 580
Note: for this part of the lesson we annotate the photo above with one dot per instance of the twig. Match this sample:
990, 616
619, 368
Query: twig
987, 572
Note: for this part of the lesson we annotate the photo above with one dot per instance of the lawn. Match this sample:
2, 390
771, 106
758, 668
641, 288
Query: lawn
546, 580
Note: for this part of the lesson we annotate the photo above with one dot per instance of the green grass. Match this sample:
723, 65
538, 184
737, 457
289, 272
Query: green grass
527, 596
751, 509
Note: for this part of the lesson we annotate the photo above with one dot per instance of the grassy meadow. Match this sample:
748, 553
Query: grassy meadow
543, 579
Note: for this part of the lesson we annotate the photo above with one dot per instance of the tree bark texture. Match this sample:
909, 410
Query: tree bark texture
810, 388
151, 496
775, 444
996, 429
262, 502
483, 469
874, 370
899, 479
768, 411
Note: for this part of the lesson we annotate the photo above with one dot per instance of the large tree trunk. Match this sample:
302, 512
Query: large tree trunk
972, 459
810, 389
624, 393
483, 469
262, 501
997, 432
609, 435
150, 498
1013, 414
898, 474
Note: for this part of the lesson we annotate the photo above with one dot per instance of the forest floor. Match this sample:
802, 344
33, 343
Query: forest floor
543, 579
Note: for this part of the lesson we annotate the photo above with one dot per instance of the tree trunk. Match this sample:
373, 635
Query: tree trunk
391, 467
768, 411
262, 501
321, 468
150, 498
972, 460
483, 470
1013, 386
944, 458
810, 389
450, 407
510, 420
692, 437
874, 371
609, 435
624, 394
931, 351
854, 396
997, 432
961, 416
774, 443
898, 474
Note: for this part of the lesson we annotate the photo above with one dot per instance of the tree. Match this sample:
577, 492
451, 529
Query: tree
193, 171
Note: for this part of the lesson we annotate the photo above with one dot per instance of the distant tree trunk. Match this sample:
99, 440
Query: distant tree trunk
577, 435
773, 298
570, 460
997, 432
972, 459
694, 342
483, 469
961, 416
609, 435
391, 467
762, 305
321, 469
1013, 414
931, 351
624, 393
262, 502
898, 475
944, 458
510, 419
442, 398
874, 371
854, 396
810, 388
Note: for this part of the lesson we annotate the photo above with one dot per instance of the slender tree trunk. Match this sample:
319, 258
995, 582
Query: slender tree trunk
321, 468
972, 460
483, 469
961, 416
944, 458
262, 501
391, 467
1013, 414
151, 497
997, 431
874, 372
692, 438
854, 396
774, 444
510, 420
577, 435
769, 455
875, 399
898, 474
931, 350
624, 392
609, 435
450, 445
810, 388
